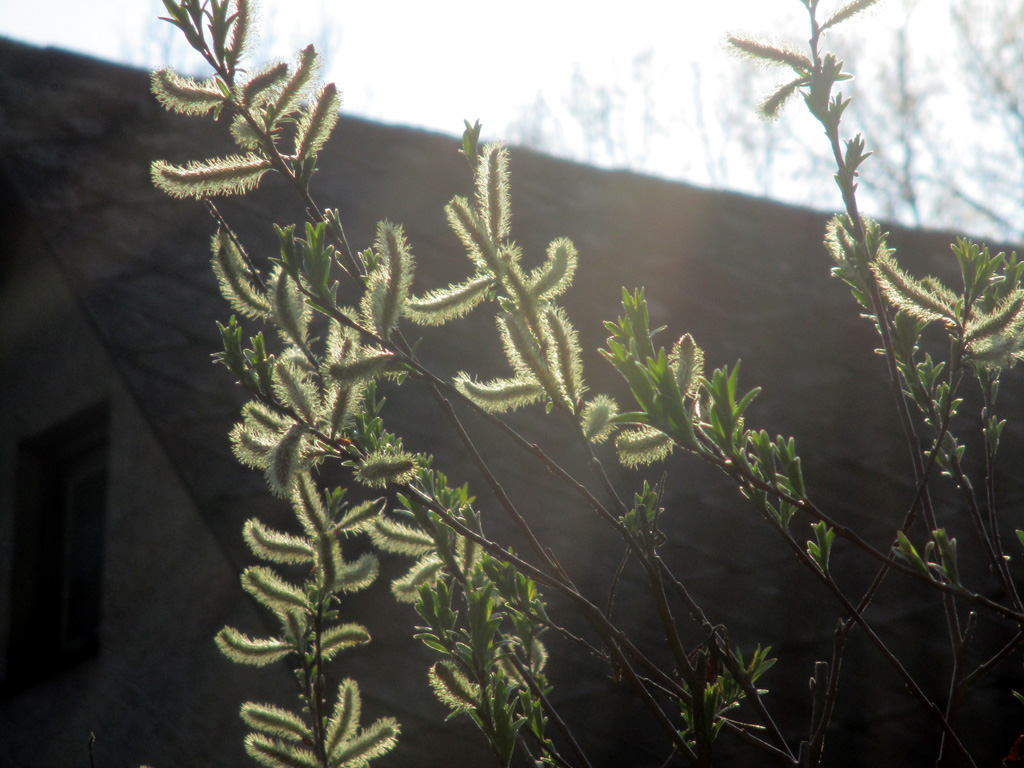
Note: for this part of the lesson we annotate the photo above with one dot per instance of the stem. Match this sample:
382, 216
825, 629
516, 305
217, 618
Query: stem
818, 729
984, 668
893, 661
316, 699
617, 643
957, 691
746, 479
552, 713
990, 538
753, 696
503, 499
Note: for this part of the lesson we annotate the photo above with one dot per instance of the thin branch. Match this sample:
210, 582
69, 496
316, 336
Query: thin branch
552, 713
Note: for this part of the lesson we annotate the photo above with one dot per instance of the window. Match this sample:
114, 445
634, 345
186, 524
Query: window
60, 517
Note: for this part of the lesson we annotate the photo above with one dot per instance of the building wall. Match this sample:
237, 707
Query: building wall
157, 691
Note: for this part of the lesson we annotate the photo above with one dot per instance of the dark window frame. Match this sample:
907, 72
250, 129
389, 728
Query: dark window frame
60, 526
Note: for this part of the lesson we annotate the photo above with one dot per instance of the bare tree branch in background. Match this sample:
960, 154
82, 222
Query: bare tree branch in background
154, 40
538, 127
894, 113
644, 76
934, 167
609, 124
597, 111
715, 162
992, 60
624, 124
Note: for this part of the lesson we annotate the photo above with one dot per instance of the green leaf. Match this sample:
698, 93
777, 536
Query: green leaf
362, 365
231, 266
555, 275
725, 413
470, 142
452, 687
846, 12
387, 288
247, 650
947, 556
564, 356
424, 572
597, 418
230, 175
769, 53
384, 467
643, 445
771, 105
338, 638
318, 120
492, 191
473, 234
344, 718
910, 295
274, 592
379, 739
392, 536
499, 395
261, 85
362, 516
786, 450
524, 352
284, 461
687, 363
907, 551
278, 754
504, 723
440, 306
293, 90
291, 311
821, 549
276, 546
296, 390
356, 576
275, 721
309, 507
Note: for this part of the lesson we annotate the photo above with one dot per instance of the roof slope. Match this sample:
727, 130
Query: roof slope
748, 278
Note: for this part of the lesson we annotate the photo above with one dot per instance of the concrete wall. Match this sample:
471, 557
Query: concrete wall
158, 691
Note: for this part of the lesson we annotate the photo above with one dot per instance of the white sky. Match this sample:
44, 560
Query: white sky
432, 63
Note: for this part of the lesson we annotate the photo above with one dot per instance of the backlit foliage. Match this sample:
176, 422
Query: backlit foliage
315, 412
